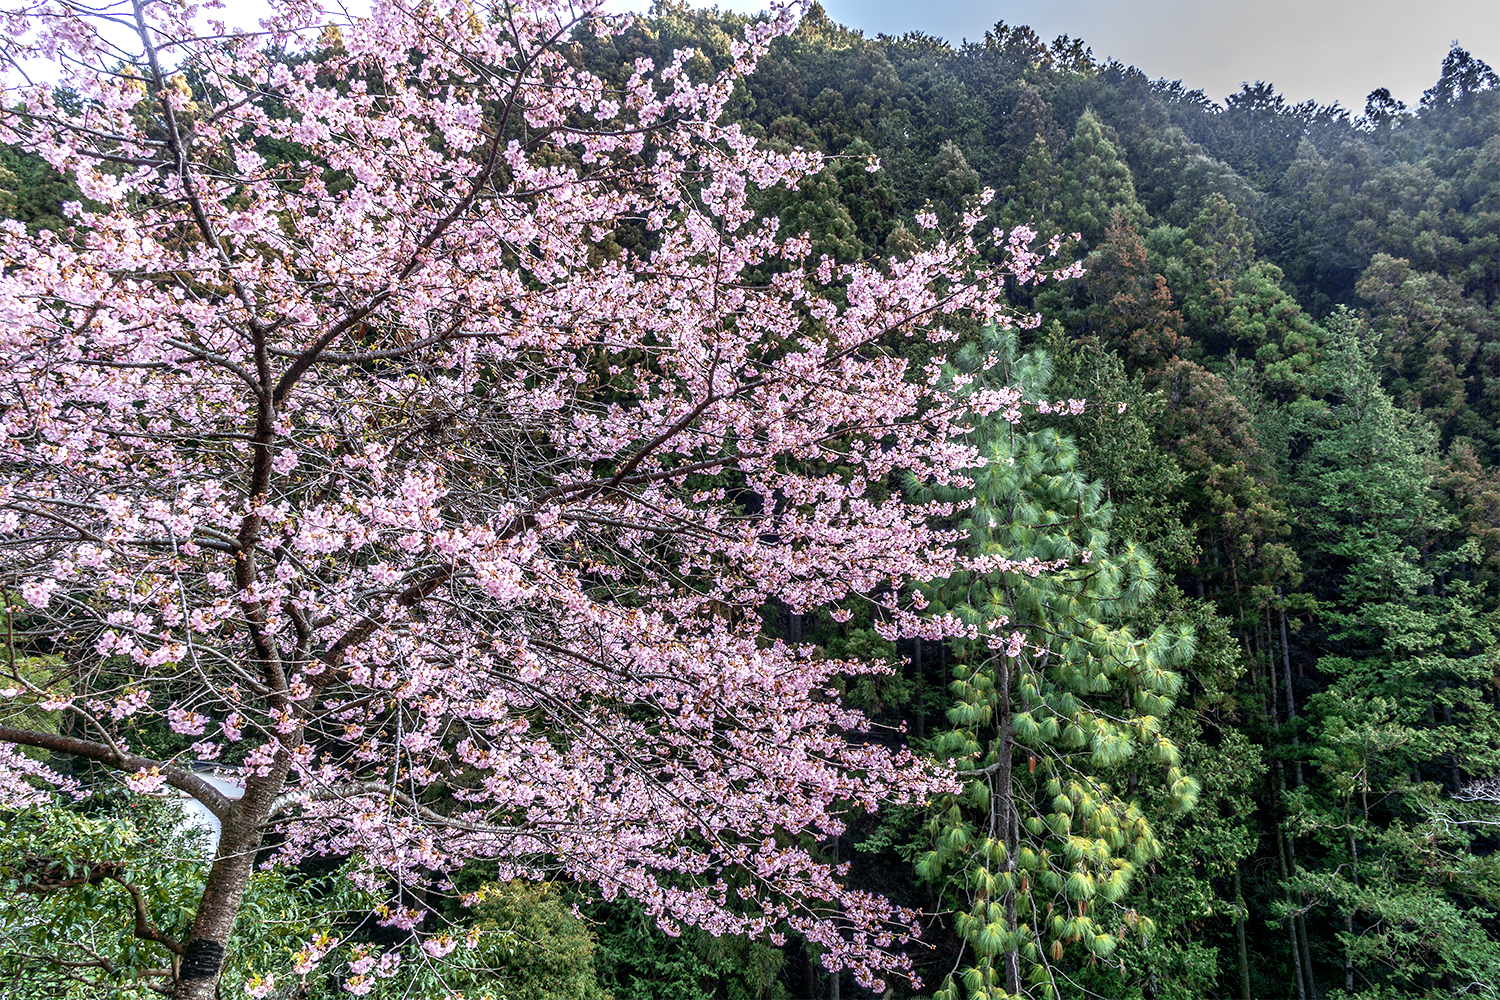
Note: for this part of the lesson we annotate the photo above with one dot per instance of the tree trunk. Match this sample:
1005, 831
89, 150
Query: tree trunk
1284, 860
1312, 983
1005, 803
1287, 854
1286, 664
1300, 923
1239, 938
1291, 923
1275, 711
234, 860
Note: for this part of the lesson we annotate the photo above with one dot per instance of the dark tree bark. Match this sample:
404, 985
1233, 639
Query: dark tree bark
224, 892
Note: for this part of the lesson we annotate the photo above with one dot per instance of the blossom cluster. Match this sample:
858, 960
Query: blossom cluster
444, 517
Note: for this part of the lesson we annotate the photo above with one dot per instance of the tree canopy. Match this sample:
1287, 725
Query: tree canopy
717, 505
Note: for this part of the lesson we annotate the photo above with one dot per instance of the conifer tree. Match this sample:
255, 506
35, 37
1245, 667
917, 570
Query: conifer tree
1132, 310
1406, 721
1096, 181
1034, 200
1051, 698
1219, 244
950, 180
1437, 346
1030, 119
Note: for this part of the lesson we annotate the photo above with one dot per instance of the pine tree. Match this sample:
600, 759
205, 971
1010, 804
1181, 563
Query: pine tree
1254, 318
1035, 198
1056, 714
950, 180
1437, 344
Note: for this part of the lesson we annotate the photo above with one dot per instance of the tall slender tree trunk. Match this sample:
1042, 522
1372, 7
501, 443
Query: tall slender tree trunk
1239, 938
1287, 854
1312, 982
1005, 796
1286, 665
1300, 950
1275, 697
1283, 854
1291, 922
1300, 922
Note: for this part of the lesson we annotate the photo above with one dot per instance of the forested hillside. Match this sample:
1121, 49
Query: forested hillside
1251, 748
1298, 303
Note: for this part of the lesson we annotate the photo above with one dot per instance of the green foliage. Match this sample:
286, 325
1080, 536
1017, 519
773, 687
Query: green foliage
1367, 500
32, 192
1143, 481
950, 180
540, 950
69, 876
1060, 740
70, 873
817, 208
637, 961
1408, 707
1240, 467
1096, 183
1434, 342
1132, 310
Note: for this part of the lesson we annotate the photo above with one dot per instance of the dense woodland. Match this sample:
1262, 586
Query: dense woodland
1255, 749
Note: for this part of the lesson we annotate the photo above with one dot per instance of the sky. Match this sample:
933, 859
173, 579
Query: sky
1322, 50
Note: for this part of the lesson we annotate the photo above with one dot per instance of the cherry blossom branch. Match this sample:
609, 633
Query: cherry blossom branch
212, 799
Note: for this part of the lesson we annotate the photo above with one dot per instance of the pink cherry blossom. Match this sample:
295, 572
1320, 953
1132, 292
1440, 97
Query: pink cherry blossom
452, 516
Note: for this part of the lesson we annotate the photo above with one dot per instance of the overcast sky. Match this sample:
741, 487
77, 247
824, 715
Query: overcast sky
1323, 50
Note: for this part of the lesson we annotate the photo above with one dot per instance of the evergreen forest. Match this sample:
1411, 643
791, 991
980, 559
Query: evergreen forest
1251, 747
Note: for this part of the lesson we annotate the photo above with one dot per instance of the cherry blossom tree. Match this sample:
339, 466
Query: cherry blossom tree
347, 441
